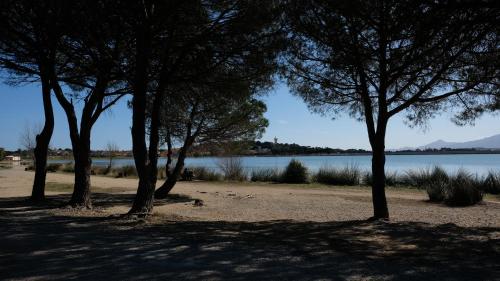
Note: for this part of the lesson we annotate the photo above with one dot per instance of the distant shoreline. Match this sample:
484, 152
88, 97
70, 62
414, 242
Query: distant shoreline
469, 152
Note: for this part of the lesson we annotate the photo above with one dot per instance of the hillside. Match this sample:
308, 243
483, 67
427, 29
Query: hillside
492, 142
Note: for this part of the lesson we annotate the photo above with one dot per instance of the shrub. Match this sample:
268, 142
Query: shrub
162, 172
464, 189
232, 168
30, 167
295, 172
205, 174
99, 170
53, 167
68, 168
349, 175
125, 171
417, 178
436, 184
266, 175
391, 179
491, 184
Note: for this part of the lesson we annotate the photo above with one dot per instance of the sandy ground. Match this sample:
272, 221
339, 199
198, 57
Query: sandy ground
243, 232
261, 202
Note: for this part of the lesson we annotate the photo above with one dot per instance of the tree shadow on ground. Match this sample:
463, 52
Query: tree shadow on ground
37, 243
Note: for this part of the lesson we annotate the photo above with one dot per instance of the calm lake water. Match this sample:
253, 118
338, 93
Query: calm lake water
476, 163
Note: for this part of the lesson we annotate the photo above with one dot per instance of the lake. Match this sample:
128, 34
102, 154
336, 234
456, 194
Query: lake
476, 163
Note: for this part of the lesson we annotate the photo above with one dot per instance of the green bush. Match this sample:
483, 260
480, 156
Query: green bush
436, 184
460, 189
266, 175
349, 175
491, 184
464, 189
295, 172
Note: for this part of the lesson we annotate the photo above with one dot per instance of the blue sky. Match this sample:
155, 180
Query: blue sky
290, 121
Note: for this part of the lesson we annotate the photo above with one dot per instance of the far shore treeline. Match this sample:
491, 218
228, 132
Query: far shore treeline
256, 148
195, 72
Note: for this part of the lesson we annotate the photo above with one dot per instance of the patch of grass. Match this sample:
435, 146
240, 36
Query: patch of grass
58, 187
491, 183
53, 167
349, 175
68, 168
205, 174
232, 168
295, 172
68, 188
124, 171
99, 170
391, 179
492, 197
4, 166
417, 178
266, 175
162, 172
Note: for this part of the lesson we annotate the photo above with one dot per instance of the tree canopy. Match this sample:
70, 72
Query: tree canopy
377, 59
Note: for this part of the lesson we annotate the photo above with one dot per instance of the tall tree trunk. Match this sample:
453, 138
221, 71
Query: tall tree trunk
143, 202
171, 180
83, 165
380, 209
42, 144
81, 151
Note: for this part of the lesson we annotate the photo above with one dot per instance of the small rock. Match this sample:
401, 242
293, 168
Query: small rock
198, 203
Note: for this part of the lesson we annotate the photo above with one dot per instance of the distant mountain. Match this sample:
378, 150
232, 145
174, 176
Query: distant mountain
492, 142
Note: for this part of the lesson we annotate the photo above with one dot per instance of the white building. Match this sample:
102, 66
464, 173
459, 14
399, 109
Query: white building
12, 158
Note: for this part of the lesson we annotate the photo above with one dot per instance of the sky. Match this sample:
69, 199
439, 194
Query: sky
289, 120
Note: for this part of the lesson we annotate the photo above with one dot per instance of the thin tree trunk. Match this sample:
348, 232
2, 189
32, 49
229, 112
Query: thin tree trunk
42, 145
171, 180
169, 154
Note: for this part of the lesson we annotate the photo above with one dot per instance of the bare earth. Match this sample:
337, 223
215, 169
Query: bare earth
243, 232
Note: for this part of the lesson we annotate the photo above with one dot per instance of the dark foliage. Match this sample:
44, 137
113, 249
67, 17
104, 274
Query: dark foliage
295, 172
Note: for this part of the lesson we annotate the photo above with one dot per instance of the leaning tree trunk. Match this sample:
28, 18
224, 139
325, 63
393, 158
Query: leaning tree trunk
42, 145
380, 209
171, 180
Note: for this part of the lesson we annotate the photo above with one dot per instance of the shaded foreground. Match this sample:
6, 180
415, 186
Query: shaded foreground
46, 242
